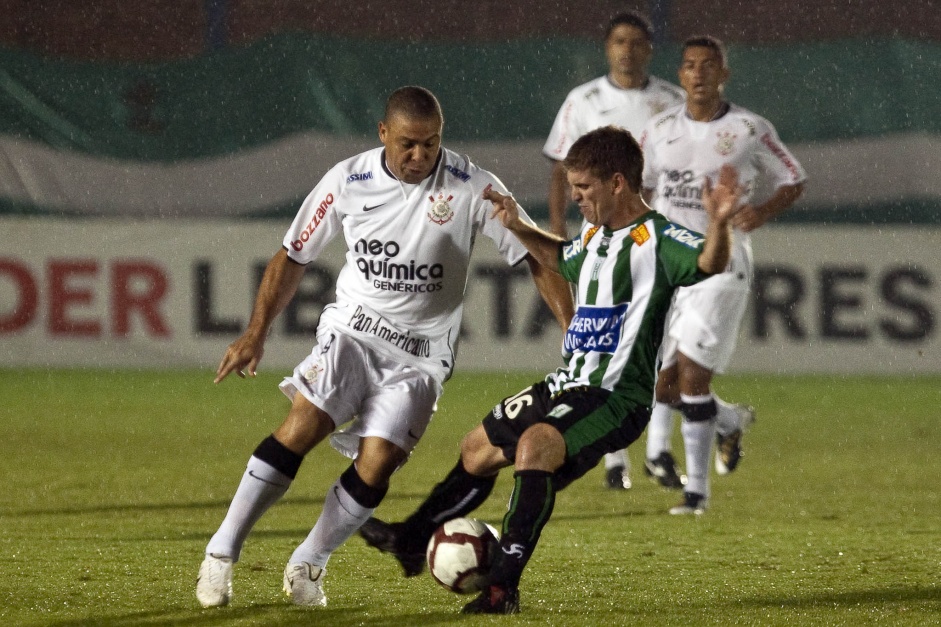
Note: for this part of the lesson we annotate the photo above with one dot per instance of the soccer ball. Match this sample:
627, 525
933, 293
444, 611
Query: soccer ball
459, 554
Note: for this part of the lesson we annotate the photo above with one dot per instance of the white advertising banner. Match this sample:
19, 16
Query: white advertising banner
174, 293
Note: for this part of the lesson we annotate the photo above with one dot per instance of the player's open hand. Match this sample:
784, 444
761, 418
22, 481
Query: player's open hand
242, 354
505, 208
748, 218
721, 200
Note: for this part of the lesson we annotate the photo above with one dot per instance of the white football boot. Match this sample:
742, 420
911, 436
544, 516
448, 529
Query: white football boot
303, 582
214, 585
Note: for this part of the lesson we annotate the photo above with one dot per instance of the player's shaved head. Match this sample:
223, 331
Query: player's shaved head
712, 43
606, 151
413, 102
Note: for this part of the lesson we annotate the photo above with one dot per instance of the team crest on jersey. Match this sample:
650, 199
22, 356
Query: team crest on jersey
640, 234
440, 211
657, 107
726, 143
313, 373
590, 233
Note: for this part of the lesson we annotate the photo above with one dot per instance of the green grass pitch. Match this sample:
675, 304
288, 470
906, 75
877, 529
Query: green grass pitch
114, 481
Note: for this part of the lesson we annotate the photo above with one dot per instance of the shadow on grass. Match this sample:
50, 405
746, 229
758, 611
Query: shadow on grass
301, 501
276, 614
272, 614
856, 598
104, 508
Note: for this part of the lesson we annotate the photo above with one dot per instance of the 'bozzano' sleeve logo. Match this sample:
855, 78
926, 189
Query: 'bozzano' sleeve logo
781, 154
298, 244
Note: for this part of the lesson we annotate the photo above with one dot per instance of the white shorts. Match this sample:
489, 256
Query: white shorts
704, 320
356, 384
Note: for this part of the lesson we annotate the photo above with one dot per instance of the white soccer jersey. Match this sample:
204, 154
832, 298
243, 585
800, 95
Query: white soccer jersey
600, 102
680, 152
401, 288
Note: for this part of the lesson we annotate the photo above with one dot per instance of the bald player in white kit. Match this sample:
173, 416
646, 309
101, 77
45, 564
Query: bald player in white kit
682, 148
627, 96
410, 212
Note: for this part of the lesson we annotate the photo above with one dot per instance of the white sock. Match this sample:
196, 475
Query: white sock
660, 430
615, 459
697, 440
260, 488
341, 517
727, 420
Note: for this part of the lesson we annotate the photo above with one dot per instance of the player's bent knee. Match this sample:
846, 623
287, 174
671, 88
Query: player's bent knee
378, 459
479, 456
667, 389
541, 447
305, 427
475, 442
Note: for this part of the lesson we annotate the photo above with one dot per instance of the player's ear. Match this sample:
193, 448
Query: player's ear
383, 132
619, 183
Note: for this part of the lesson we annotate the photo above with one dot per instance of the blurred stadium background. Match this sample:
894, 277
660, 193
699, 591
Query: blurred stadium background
153, 153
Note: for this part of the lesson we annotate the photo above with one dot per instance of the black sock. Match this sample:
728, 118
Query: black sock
366, 495
279, 457
460, 493
530, 508
700, 412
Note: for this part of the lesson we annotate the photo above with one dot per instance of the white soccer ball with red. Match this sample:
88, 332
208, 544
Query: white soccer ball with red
459, 554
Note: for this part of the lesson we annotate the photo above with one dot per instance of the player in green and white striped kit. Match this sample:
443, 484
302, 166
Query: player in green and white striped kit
626, 264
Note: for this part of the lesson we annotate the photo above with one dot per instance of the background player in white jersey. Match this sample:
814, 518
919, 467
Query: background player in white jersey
410, 212
627, 96
625, 265
682, 148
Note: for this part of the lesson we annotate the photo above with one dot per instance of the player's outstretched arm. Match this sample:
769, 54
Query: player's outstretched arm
558, 200
543, 246
555, 291
282, 276
720, 202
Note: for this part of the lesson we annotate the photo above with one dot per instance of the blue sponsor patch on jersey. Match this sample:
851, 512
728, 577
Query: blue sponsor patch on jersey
461, 174
684, 236
595, 329
359, 176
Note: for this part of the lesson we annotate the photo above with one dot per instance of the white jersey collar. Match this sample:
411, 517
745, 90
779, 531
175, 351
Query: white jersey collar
724, 107
611, 82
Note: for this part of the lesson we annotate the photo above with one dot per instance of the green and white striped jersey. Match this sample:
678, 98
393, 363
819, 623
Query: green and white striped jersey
624, 282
